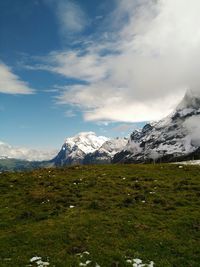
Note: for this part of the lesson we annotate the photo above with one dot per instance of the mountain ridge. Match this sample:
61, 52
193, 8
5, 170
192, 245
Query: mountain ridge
176, 137
88, 148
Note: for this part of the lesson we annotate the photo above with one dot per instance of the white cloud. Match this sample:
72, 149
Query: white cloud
71, 17
100, 102
11, 83
74, 64
122, 128
70, 113
8, 151
143, 69
193, 128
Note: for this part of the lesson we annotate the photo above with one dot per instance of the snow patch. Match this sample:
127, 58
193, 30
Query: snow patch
139, 263
38, 260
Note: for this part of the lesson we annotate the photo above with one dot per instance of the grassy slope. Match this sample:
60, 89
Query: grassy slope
113, 218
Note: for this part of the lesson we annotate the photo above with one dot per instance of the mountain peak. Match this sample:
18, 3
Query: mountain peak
174, 137
75, 148
190, 100
85, 134
87, 142
88, 148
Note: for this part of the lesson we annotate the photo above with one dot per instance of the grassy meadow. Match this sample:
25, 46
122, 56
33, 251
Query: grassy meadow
106, 215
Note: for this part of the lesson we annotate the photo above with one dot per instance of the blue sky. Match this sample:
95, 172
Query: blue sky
31, 29
68, 66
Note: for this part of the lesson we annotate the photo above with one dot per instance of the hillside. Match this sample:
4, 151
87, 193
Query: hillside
107, 216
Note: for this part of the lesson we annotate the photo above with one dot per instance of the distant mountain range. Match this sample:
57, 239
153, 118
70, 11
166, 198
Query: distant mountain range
19, 158
174, 138
87, 148
9, 164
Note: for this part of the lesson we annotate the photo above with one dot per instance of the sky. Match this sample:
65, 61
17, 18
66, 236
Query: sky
68, 66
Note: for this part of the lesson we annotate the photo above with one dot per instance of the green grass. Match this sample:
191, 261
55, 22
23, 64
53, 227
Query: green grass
149, 212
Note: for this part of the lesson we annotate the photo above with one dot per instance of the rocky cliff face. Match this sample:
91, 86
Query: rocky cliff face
176, 137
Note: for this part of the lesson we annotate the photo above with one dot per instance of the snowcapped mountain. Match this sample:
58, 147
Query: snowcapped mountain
87, 148
8, 151
175, 137
106, 152
76, 148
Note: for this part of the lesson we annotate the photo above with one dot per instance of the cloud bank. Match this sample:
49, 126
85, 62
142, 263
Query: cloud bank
141, 65
8, 151
11, 83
